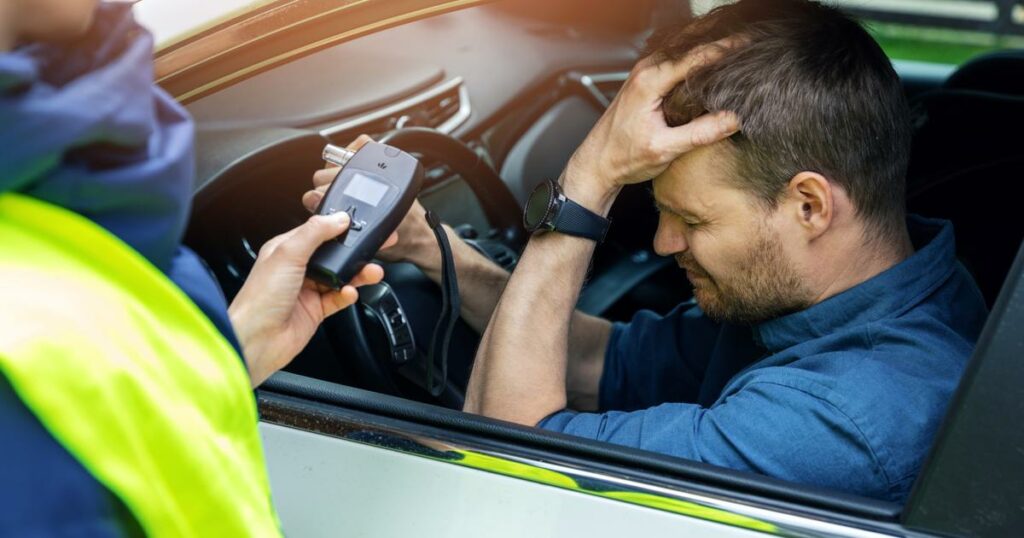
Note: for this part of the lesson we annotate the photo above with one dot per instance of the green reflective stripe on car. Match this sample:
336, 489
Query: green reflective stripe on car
690, 509
126, 373
515, 469
532, 473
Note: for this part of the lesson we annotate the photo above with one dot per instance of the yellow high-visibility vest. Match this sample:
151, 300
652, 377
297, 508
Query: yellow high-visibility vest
126, 372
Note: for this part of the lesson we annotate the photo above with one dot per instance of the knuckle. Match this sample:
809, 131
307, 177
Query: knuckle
643, 76
637, 71
320, 223
703, 137
644, 66
651, 151
267, 249
286, 250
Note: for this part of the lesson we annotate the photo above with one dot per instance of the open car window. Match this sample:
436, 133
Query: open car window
262, 135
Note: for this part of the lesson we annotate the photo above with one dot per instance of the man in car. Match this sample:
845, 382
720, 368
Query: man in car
829, 329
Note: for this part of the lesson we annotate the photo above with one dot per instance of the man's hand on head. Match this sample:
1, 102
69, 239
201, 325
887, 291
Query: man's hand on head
632, 142
522, 368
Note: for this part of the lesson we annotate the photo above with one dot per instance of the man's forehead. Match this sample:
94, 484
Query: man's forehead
693, 181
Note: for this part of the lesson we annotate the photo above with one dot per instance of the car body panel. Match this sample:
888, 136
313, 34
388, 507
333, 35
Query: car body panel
323, 484
391, 482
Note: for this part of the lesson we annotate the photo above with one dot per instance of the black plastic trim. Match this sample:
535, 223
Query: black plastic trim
973, 481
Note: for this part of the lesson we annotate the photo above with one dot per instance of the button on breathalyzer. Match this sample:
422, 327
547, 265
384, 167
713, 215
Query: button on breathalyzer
376, 186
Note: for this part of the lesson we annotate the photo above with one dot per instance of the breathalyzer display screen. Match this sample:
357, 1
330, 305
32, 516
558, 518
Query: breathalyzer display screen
365, 189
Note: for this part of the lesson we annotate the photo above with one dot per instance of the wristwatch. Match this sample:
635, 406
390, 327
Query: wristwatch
548, 209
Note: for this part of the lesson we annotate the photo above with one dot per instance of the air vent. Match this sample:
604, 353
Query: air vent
436, 112
603, 87
443, 107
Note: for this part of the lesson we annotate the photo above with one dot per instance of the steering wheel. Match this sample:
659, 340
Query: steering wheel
361, 332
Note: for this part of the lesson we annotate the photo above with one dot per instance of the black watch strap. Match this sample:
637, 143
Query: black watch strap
574, 219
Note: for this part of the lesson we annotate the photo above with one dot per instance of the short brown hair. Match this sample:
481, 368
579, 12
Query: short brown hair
813, 92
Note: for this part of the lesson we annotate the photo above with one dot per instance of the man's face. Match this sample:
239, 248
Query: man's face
729, 245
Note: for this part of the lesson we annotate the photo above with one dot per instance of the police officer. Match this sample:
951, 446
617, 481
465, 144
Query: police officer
125, 404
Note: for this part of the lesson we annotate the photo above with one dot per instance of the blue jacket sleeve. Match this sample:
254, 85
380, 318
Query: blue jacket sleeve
764, 427
45, 490
655, 359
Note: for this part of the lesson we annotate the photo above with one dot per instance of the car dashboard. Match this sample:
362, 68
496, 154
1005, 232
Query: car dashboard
520, 91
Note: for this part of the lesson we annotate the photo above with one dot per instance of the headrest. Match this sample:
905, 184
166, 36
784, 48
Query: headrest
997, 72
958, 129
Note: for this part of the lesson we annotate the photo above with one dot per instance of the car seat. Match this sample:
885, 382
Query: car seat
967, 158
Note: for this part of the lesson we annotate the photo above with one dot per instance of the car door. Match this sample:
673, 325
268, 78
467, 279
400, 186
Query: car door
345, 461
342, 460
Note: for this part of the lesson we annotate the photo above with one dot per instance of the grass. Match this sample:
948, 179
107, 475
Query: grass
936, 45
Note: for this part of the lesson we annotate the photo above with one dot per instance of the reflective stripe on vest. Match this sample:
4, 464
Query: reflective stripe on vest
126, 372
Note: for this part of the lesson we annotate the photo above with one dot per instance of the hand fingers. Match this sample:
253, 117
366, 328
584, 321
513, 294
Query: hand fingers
702, 131
369, 275
304, 240
335, 301
359, 142
268, 248
355, 145
325, 176
312, 199
391, 241
271, 245
666, 75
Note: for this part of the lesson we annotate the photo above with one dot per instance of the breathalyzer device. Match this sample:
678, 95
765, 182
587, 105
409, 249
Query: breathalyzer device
376, 186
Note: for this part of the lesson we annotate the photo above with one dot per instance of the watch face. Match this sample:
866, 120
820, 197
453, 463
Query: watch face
537, 206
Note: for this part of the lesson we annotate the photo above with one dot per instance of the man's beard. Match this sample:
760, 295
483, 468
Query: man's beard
762, 286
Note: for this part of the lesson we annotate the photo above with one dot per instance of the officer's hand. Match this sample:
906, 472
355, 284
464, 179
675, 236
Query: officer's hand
632, 142
278, 309
416, 241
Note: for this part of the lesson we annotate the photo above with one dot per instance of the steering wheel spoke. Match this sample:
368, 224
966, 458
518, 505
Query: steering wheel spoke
391, 334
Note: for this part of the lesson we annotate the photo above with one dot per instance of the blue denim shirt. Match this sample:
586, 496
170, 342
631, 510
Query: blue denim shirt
847, 394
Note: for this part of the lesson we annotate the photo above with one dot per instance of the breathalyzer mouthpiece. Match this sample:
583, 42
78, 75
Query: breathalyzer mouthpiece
337, 155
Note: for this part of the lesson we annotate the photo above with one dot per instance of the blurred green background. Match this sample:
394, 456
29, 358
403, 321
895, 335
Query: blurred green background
918, 37
937, 45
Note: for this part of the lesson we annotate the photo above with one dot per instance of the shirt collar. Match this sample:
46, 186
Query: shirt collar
887, 294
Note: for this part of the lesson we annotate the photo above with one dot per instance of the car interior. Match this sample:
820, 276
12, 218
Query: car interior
494, 99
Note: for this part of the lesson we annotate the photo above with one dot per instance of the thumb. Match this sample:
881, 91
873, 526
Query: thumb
305, 239
704, 130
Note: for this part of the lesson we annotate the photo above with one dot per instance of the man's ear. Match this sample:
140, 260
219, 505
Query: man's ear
811, 202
